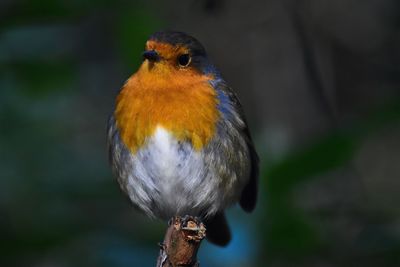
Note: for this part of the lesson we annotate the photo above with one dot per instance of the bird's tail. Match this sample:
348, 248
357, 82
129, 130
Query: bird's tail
218, 231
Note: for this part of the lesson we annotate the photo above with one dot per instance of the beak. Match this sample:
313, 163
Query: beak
151, 55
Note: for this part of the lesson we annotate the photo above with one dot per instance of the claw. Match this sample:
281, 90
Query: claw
193, 226
190, 223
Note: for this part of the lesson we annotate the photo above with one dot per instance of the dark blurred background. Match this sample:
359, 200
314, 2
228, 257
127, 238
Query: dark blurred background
319, 81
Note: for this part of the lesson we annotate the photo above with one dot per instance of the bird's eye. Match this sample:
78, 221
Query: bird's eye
184, 60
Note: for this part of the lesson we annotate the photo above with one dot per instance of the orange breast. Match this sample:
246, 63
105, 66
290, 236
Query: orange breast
181, 101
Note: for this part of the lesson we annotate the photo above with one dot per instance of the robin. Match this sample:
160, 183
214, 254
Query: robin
178, 140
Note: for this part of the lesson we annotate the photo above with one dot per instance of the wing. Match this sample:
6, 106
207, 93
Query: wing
231, 108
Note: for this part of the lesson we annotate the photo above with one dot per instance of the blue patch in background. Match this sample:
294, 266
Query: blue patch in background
239, 252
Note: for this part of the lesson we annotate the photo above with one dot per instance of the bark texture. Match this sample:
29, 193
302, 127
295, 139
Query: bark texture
181, 243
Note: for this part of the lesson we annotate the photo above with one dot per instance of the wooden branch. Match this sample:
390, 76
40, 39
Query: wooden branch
181, 242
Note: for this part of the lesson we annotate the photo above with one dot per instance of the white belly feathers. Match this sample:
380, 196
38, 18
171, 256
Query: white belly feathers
171, 177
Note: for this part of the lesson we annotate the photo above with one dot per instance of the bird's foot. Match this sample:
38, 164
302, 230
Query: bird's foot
194, 228
190, 223
171, 221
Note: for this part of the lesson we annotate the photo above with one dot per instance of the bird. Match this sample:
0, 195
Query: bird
178, 139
